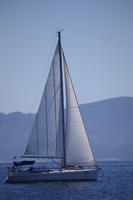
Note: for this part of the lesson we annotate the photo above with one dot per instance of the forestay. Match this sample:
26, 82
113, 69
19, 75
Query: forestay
78, 150
46, 137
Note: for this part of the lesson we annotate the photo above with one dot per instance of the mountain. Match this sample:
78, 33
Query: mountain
109, 124
14, 131
110, 127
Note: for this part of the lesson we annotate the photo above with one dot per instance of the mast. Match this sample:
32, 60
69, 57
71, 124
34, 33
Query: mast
62, 98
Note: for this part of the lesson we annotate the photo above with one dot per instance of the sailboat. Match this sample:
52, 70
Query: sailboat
58, 133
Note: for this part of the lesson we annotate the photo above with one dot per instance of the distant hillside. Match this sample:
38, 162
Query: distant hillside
110, 127
13, 128
109, 124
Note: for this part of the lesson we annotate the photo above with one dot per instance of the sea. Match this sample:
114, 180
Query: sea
115, 182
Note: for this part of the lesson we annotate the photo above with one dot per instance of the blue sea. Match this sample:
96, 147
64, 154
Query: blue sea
115, 182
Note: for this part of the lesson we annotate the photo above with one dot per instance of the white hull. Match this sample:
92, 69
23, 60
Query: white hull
56, 175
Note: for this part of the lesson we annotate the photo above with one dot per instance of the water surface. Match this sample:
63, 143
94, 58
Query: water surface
115, 182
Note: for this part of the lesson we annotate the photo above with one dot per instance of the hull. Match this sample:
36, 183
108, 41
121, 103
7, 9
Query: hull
58, 175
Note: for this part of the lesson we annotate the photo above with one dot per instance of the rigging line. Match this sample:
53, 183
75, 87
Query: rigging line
44, 72
34, 99
46, 120
55, 161
37, 133
40, 156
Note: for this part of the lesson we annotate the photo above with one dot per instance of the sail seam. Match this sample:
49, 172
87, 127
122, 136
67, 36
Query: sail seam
71, 107
53, 98
55, 104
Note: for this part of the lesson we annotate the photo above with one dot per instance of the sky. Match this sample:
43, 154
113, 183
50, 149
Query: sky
97, 40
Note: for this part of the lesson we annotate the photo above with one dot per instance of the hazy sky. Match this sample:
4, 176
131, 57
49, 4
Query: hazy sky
97, 41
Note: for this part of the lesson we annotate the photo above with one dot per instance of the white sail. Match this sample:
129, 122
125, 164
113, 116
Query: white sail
46, 137
78, 150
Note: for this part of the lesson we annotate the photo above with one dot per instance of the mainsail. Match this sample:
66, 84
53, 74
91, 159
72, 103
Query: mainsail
78, 150
47, 133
